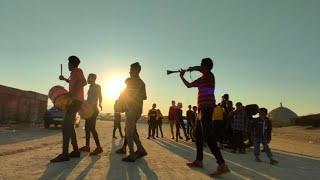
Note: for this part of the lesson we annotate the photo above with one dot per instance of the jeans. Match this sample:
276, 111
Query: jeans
68, 131
204, 132
90, 126
256, 143
131, 132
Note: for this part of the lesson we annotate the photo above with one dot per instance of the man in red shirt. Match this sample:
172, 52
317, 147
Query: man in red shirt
172, 116
206, 99
76, 83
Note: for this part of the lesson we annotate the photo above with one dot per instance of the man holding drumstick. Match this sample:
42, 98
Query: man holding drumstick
76, 83
206, 99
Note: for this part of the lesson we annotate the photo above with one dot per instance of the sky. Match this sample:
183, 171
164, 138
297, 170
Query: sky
264, 52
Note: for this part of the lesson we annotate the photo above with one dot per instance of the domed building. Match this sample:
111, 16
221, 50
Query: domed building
282, 117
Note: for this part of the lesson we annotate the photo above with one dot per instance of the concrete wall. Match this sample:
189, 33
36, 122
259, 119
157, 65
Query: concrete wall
18, 106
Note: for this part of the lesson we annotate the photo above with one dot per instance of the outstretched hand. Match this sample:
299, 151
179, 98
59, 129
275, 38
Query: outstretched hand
182, 72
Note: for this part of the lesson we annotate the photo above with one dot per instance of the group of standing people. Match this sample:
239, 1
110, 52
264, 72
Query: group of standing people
210, 120
238, 125
155, 118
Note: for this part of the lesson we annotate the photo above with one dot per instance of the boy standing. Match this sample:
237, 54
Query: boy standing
261, 132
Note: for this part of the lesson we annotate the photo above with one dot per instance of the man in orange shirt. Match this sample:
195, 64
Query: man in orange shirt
76, 83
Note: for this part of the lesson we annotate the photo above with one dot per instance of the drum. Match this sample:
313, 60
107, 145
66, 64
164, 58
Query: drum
60, 99
86, 111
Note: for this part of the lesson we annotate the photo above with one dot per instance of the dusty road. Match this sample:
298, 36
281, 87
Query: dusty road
25, 154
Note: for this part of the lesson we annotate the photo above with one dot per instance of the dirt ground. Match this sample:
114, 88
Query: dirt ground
25, 153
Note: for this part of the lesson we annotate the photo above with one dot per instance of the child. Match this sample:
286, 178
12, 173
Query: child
159, 122
261, 133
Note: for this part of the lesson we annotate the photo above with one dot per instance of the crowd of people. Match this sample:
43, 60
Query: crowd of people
208, 123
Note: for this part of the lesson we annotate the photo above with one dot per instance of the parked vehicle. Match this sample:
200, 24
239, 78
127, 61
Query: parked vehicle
55, 116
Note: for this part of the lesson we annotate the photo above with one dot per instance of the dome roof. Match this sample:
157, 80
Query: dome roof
282, 117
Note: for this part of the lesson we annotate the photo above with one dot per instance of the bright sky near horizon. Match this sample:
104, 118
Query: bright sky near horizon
264, 52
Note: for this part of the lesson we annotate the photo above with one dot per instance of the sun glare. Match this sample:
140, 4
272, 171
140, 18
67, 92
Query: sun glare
114, 87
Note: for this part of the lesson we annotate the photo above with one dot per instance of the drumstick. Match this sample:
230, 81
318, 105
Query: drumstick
61, 69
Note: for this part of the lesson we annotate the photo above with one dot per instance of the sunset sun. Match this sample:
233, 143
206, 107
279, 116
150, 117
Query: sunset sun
114, 87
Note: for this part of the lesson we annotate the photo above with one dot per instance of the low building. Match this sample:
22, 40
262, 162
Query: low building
18, 106
282, 117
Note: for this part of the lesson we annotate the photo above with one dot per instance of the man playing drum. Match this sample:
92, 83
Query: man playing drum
76, 83
94, 96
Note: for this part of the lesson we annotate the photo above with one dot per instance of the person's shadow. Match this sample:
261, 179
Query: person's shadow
60, 170
127, 170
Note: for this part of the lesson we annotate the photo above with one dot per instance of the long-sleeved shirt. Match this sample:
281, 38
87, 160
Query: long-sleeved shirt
261, 128
240, 120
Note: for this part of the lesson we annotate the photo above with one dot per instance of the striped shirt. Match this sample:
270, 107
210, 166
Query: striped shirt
205, 85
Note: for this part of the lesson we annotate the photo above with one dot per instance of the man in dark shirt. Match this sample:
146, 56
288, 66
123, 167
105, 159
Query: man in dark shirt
133, 96
152, 118
261, 133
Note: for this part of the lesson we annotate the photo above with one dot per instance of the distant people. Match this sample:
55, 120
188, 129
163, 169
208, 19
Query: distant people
152, 118
133, 96
172, 116
239, 128
117, 124
189, 112
94, 96
261, 133
159, 123
76, 83
180, 123
206, 88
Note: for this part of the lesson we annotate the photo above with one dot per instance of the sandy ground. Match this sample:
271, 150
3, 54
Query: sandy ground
25, 154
